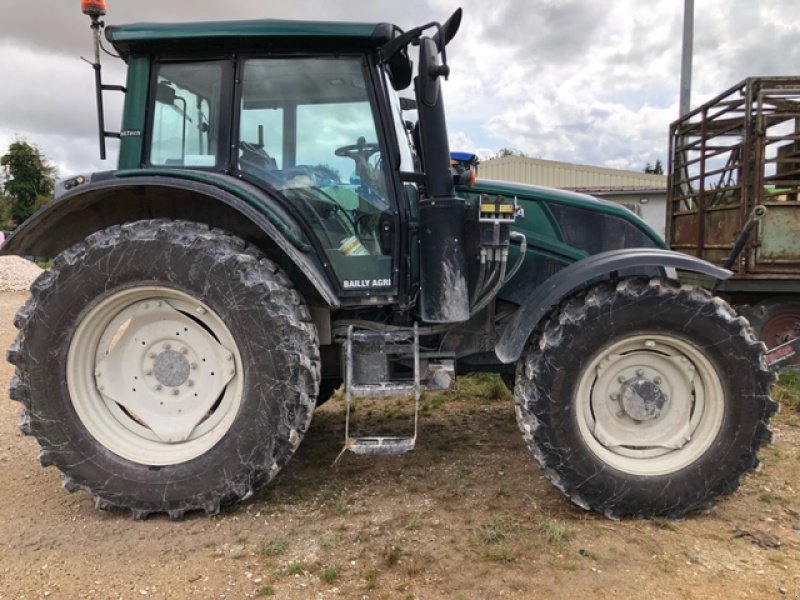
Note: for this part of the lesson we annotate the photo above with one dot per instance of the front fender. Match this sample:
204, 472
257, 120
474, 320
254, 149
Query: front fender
598, 266
217, 200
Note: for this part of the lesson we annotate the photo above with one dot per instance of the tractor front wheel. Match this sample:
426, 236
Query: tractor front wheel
644, 398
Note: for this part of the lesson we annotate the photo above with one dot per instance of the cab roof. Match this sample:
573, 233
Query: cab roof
273, 33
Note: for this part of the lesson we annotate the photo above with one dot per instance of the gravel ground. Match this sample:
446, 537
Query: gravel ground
17, 274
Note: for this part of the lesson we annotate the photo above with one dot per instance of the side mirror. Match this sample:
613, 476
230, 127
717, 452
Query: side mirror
448, 30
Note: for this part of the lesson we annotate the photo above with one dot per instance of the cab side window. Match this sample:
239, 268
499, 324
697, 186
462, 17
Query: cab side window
186, 114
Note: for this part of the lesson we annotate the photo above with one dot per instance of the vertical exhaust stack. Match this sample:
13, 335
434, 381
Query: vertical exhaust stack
444, 296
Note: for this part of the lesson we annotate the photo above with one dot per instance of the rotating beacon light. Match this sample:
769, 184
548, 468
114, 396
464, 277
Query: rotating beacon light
93, 8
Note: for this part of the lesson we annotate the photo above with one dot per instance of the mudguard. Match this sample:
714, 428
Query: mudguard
118, 197
550, 293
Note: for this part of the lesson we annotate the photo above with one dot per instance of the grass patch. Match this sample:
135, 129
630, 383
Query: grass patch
776, 557
787, 390
499, 554
274, 548
295, 569
371, 577
485, 386
663, 523
393, 554
497, 530
266, 590
413, 523
330, 574
554, 532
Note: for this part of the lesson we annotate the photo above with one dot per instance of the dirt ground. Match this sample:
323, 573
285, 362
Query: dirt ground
466, 515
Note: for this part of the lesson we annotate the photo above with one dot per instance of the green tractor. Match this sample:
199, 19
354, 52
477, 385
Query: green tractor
277, 226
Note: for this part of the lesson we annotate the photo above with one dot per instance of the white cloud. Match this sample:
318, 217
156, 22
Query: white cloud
573, 80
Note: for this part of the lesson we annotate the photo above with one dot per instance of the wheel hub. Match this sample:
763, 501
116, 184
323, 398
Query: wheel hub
171, 368
165, 369
642, 399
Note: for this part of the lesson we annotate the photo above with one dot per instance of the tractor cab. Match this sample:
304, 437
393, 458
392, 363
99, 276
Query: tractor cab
319, 131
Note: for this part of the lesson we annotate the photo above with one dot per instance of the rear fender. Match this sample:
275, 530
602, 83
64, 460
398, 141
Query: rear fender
217, 201
580, 273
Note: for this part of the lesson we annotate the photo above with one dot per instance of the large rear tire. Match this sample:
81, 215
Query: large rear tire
644, 398
165, 367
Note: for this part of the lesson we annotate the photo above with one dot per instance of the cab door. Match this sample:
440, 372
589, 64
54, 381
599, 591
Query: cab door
308, 130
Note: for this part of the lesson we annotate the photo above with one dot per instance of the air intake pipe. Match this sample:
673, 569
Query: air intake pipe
444, 294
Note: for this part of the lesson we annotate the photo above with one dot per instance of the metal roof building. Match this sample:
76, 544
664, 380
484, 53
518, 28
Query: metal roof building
642, 193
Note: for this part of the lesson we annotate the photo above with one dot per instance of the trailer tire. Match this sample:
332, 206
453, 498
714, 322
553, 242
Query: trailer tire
776, 320
644, 398
165, 367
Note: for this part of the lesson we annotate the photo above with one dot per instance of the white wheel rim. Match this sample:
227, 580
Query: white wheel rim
154, 375
649, 404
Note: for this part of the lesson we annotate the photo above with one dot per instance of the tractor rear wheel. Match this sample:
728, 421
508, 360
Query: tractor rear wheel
644, 398
165, 367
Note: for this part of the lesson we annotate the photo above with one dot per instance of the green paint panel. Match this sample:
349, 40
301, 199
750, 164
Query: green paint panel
537, 194
134, 113
125, 37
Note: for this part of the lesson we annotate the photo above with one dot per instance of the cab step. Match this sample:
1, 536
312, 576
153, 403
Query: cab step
377, 446
368, 355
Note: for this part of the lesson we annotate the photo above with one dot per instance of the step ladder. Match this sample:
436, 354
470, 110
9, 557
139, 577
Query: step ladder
389, 343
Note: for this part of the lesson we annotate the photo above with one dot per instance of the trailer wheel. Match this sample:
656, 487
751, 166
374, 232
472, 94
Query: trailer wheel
776, 321
644, 398
165, 367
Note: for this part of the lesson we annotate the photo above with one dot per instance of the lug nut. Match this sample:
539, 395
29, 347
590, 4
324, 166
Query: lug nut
190, 383
159, 387
193, 365
639, 372
657, 380
200, 310
167, 346
148, 372
184, 350
152, 355
621, 379
614, 397
175, 391
621, 414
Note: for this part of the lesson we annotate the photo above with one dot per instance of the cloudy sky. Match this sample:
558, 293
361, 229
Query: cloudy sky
585, 81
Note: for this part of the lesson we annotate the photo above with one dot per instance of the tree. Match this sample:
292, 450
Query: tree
657, 170
28, 179
503, 152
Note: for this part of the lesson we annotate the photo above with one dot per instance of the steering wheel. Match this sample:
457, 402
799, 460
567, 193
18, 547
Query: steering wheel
359, 151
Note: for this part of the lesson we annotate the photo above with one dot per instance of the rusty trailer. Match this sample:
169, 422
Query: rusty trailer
728, 158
